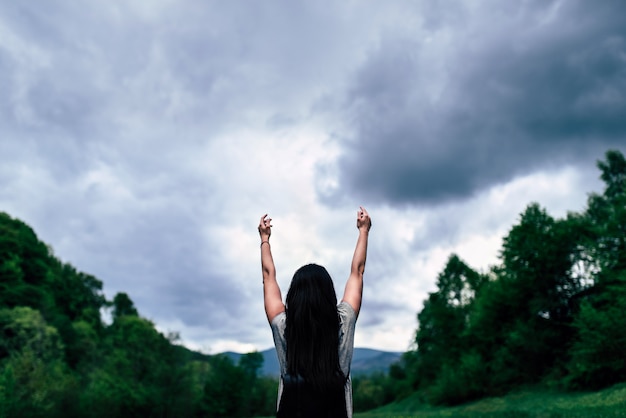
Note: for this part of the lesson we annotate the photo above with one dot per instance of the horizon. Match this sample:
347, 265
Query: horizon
272, 348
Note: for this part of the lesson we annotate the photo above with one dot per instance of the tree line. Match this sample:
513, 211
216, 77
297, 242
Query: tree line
58, 358
551, 312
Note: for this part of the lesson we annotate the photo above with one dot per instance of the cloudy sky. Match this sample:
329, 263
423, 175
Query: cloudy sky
143, 140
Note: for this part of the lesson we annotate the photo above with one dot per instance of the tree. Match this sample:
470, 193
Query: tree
597, 357
250, 364
537, 284
440, 337
31, 276
24, 328
597, 354
123, 305
18, 278
223, 393
143, 374
34, 380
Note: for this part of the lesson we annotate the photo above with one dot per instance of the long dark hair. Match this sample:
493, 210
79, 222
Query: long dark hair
312, 329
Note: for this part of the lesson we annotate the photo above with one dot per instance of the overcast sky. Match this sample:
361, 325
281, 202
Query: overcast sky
143, 140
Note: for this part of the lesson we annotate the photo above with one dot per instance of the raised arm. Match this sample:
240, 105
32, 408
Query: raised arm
354, 286
271, 292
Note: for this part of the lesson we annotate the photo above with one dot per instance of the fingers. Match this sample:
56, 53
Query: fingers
265, 222
363, 219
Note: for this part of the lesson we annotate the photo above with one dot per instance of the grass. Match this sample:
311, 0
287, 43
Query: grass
537, 403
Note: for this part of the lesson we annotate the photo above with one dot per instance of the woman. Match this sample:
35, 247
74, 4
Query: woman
314, 337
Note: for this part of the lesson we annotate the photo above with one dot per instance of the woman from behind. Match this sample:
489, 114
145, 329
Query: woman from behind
313, 335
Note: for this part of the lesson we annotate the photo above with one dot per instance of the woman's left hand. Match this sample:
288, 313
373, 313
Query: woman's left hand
265, 228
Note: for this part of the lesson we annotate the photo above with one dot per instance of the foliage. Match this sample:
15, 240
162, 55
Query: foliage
442, 335
597, 354
123, 306
373, 391
34, 378
58, 358
549, 312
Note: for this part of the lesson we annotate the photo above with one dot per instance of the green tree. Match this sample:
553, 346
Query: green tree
143, 374
606, 216
441, 335
58, 358
597, 354
250, 364
24, 328
34, 380
266, 388
520, 326
123, 305
597, 357
368, 392
77, 295
20, 271
31, 276
223, 392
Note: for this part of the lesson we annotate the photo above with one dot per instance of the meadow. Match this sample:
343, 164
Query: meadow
531, 403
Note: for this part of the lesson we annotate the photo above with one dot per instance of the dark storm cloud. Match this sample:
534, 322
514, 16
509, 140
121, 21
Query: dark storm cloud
520, 87
142, 140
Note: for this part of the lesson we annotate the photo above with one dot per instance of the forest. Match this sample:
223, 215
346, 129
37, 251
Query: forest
549, 313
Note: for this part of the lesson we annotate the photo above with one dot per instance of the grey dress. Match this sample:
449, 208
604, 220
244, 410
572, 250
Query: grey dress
347, 322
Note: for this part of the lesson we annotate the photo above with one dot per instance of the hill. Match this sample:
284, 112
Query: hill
364, 361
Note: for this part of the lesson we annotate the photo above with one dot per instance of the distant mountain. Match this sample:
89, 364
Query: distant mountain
364, 361
368, 361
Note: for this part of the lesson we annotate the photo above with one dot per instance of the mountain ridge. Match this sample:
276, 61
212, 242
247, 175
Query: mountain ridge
364, 361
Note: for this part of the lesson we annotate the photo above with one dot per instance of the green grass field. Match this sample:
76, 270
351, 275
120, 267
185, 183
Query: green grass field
527, 404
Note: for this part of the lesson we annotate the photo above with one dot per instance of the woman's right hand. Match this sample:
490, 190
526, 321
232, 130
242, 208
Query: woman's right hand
363, 221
